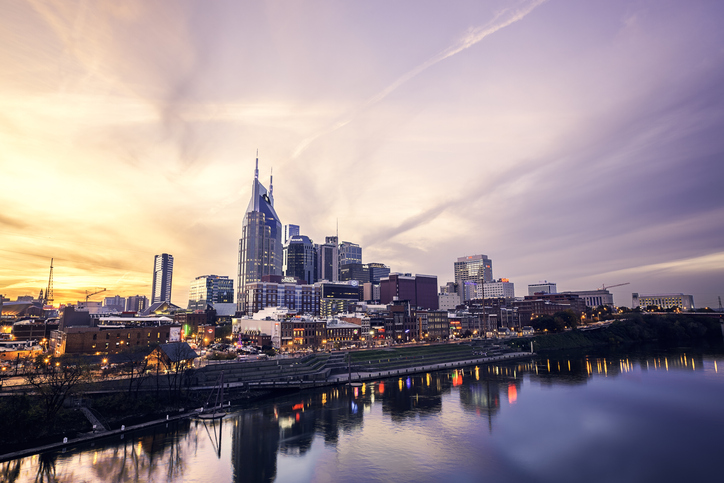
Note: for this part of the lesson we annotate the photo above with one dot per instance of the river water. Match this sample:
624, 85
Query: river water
649, 415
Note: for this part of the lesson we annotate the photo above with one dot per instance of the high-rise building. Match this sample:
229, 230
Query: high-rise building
162, 278
475, 268
354, 271
209, 290
300, 259
290, 231
136, 303
349, 253
260, 246
328, 260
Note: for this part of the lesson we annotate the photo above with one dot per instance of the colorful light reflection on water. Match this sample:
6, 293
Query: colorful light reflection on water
590, 418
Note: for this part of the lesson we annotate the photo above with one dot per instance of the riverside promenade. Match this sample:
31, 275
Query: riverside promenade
415, 366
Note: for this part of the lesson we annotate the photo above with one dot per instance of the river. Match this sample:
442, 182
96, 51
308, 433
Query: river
652, 414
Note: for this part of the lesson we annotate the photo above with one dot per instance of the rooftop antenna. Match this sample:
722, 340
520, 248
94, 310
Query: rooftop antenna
256, 170
337, 230
271, 183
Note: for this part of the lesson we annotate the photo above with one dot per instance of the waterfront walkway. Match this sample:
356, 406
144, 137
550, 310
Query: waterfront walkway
356, 376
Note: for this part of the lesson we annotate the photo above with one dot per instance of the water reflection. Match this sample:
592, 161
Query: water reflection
287, 428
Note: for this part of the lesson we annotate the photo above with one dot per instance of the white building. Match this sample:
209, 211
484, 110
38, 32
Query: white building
448, 301
502, 288
594, 298
545, 287
663, 300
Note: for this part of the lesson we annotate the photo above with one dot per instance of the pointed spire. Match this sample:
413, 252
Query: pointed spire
256, 170
271, 183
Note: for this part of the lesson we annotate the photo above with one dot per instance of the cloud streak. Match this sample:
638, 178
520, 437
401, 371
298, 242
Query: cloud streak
501, 20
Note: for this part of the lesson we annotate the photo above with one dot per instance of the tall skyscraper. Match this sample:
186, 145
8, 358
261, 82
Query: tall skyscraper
475, 268
328, 260
300, 259
209, 290
260, 246
162, 278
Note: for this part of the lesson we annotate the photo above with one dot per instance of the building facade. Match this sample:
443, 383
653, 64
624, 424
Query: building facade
136, 303
162, 278
500, 288
336, 298
302, 298
541, 287
419, 290
349, 253
474, 268
300, 259
448, 301
328, 260
260, 246
595, 298
354, 271
663, 301
210, 290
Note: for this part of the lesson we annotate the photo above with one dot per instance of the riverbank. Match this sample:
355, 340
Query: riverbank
414, 366
634, 329
67, 443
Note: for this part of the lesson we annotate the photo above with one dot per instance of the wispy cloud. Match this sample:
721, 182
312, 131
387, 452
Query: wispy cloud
501, 20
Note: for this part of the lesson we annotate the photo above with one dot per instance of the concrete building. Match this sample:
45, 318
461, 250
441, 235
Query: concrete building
115, 304
473, 268
500, 288
663, 301
328, 260
448, 301
260, 245
594, 298
136, 303
419, 290
162, 278
210, 290
541, 287
371, 293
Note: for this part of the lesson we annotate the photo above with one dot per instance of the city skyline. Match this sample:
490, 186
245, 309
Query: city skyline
574, 143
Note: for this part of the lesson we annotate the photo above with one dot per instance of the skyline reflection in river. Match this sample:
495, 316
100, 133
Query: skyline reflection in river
644, 416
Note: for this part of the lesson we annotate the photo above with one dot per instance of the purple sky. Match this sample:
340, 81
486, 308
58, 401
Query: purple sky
574, 142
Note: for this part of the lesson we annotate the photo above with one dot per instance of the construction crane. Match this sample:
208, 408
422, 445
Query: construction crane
48, 297
604, 287
89, 295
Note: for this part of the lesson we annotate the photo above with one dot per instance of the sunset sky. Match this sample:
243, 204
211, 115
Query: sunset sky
575, 142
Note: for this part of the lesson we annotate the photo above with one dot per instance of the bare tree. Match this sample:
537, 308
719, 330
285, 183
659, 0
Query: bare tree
54, 382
